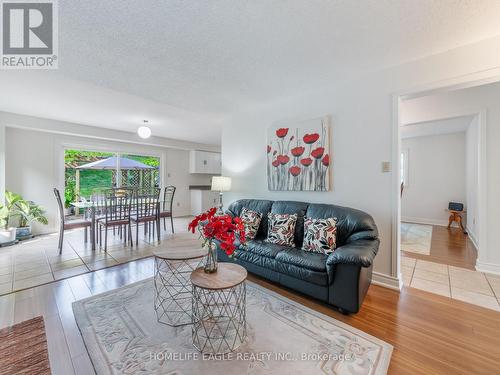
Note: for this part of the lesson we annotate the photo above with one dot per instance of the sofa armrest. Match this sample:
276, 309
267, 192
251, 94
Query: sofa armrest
359, 252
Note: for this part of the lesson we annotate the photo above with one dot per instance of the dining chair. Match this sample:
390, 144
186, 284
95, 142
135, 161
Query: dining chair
166, 211
117, 208
120, 191
71, 224
98, 198
146, 211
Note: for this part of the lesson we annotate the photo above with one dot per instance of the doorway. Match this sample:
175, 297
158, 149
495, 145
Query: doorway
442, 160
439, 189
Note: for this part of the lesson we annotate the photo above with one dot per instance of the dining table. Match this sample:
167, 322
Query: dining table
92, 207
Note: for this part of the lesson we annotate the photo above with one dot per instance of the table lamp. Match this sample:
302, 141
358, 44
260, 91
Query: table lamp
220, 184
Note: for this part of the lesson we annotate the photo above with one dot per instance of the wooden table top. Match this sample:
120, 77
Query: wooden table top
179, 254
228, 275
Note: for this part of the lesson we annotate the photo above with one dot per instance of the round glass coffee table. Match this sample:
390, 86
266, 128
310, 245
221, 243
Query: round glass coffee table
173, 291
219, 309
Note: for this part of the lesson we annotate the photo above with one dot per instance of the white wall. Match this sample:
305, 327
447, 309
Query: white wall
2, 163
436, 167
31, 170
362, 137
178, 175
35, 165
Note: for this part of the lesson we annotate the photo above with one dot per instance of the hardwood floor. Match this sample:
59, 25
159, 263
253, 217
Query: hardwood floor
431, 334
449, 246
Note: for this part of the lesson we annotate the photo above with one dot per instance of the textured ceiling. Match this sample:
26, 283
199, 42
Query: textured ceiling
213, 57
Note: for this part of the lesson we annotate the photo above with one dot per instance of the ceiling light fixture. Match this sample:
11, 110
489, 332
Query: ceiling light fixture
144, 131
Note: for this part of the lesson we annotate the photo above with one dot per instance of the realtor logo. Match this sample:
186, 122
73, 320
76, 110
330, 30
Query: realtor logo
29, 34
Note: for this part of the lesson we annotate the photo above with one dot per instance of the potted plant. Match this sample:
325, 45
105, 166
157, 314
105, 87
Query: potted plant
69, 196
221, 228
7, 234
26, 213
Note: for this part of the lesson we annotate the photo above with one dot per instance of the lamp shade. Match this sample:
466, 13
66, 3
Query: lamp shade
221, 183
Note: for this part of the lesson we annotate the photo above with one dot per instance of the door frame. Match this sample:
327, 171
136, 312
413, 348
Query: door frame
453, 84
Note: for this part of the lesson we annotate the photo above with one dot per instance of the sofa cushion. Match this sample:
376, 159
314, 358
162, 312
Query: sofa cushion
352, 224
320, 235
255, 258
292, 207
257, 205
263, 248
251, 220
304, 259
303, 265
281, 229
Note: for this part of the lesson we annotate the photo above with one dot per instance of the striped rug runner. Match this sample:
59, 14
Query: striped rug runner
23, 349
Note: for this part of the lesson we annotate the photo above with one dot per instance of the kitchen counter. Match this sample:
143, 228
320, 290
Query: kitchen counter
200, 187
202, 200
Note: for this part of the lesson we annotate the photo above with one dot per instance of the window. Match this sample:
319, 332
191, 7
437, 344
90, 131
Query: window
145, 177
404, 167
89, 172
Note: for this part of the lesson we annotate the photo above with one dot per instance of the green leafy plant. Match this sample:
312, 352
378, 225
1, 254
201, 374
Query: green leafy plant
29, 212
25, 211
11, 199
69, 189
7, 210
4, 216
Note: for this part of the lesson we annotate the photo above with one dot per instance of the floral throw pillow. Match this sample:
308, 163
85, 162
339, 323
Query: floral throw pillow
320, 235
281, 228
251, 221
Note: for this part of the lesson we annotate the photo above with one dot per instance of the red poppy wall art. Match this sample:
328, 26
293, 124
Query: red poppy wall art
298, 156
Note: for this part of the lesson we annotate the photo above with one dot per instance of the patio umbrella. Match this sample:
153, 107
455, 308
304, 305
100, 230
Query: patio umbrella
110, 163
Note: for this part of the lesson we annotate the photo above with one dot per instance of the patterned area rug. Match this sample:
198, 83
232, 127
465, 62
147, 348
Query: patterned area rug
416, 238
23, 349
122, 336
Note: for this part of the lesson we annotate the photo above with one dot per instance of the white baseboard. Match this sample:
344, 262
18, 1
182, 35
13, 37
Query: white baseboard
419, 220
45, 231
473, 239
488, 267
387, 281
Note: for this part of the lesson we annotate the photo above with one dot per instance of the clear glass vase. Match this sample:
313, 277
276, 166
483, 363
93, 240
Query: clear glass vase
211, 258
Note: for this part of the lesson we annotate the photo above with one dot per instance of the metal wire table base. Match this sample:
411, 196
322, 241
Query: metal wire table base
173, 291
219, 319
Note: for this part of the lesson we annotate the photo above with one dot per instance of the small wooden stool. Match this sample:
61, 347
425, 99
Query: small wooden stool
456, 216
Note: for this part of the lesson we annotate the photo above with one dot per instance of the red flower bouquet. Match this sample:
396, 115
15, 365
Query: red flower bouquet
223, 228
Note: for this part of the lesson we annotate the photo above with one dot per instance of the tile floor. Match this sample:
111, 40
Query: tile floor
37, 261
457, 283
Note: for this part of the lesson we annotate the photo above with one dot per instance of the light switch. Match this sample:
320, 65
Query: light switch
386, 166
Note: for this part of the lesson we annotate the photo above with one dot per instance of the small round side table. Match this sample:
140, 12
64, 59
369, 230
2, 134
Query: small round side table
219, 309
173, 291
